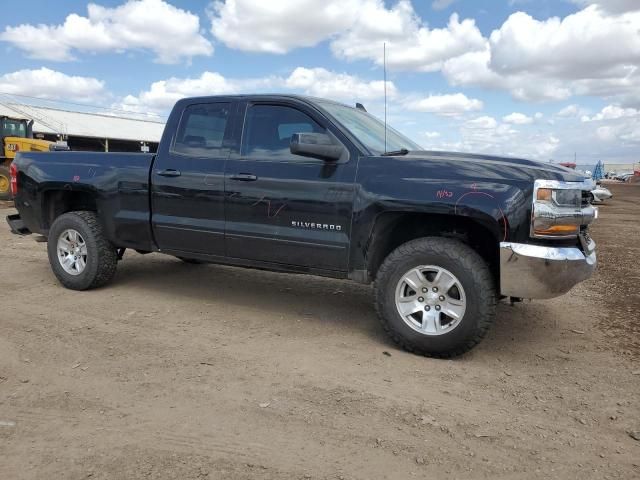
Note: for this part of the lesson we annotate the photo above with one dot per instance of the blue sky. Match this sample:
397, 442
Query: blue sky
543, 79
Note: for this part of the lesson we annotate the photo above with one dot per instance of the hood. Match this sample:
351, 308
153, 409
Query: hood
535, 168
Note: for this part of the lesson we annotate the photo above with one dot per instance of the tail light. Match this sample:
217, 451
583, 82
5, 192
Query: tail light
13, 172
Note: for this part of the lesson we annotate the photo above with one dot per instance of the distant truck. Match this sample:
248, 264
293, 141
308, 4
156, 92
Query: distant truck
304, 185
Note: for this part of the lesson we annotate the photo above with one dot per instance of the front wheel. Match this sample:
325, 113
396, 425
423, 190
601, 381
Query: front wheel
435, 297
5, 183
80, 255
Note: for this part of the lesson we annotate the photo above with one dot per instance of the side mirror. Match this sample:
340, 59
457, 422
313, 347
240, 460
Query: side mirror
316, 145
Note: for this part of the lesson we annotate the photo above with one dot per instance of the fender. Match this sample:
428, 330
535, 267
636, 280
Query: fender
495, 196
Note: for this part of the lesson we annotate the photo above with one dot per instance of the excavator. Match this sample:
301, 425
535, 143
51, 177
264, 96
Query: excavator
16, 135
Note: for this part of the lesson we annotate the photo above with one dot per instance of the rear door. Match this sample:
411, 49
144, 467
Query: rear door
188, 180
284, 208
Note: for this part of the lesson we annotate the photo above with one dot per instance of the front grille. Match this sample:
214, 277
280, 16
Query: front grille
586, 198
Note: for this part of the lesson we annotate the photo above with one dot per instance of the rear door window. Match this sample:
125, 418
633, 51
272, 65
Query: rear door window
202, 129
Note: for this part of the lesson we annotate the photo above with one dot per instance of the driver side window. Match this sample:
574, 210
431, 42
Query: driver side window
268, 130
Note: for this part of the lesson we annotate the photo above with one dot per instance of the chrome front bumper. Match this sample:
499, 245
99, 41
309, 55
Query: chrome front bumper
534, 271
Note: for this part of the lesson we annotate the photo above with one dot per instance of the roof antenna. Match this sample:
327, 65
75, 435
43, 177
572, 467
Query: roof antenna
384, 64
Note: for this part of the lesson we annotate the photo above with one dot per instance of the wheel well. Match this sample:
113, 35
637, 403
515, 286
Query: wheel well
57, 202
393, 229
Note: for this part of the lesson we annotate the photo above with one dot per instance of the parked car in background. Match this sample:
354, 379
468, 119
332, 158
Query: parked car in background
623, 176
600, 193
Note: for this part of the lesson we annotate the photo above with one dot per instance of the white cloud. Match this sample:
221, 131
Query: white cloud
583, 45
486, 135
473, 69
50, 84
615, 128
591, 52
569, 111
612, 139
357, 30
450, 104
278, 26
155, 25
594, 52
163, 94
442, 4
431, 135
612, 136
411, 45
482, 123
615, 6
607, 133
324, 83
517, 118
504, 140
612, 112
544, 145
632, 135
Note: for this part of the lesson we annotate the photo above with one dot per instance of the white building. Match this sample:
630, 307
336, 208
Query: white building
89, 131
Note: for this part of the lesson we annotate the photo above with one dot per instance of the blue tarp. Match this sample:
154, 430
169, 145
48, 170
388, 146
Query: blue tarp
598, 171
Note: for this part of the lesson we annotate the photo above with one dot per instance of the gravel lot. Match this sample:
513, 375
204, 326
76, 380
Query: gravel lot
182, 371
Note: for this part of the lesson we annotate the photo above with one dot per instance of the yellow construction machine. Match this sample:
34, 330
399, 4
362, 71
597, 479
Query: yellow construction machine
16, 135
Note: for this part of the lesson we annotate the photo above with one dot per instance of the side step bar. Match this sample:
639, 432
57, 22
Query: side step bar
17, 225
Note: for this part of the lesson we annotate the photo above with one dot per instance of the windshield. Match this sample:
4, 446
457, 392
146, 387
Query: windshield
368, 129
13, 128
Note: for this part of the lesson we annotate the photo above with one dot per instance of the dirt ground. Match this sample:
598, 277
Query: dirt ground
208, 372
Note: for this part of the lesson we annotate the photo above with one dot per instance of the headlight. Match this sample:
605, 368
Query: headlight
557, 210
562, 198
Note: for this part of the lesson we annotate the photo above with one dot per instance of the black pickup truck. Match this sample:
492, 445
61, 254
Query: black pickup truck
306, 185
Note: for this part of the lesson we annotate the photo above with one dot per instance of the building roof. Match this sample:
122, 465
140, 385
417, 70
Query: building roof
83, 124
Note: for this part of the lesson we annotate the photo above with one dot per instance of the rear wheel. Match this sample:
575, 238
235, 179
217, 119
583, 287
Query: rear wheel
5, 183
80, 255
435, 297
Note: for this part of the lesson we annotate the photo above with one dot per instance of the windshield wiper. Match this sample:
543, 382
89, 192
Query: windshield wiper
402, 151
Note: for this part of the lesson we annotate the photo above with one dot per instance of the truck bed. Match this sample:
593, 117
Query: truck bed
118, 183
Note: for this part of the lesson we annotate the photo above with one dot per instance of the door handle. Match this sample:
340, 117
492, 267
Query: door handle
244, 177
169, 173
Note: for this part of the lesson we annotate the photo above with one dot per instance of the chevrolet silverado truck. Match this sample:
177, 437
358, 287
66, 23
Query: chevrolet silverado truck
306, 185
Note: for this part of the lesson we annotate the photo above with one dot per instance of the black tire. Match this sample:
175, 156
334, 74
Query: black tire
192, 261
102, 257
5, 183
476, 280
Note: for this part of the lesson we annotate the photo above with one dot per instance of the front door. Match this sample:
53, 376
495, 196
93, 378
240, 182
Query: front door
188, 182
285, 208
